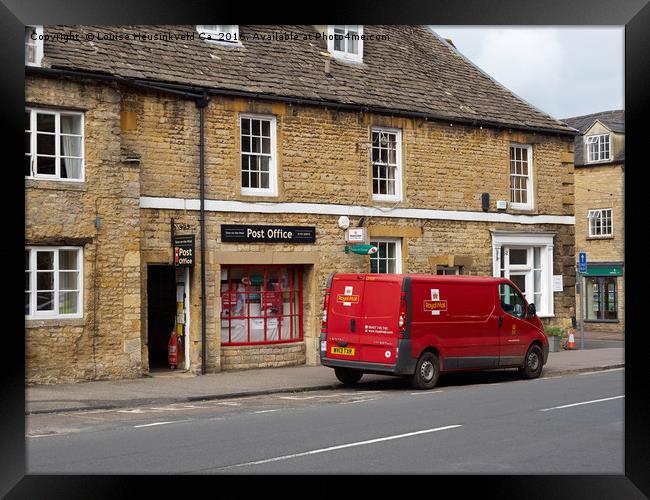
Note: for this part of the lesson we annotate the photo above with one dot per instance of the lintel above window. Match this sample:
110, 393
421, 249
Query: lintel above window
345, 41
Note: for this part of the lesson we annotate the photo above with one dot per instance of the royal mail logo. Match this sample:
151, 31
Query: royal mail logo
435, 305
347, 298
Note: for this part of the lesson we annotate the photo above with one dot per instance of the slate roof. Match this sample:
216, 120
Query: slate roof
414, 71
614, 120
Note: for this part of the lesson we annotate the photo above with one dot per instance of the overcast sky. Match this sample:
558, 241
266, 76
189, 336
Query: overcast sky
563, 71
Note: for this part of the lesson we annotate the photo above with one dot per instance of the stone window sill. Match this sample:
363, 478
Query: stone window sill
56, 185
54, 322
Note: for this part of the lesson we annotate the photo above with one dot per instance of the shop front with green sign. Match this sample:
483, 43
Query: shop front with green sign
601, 292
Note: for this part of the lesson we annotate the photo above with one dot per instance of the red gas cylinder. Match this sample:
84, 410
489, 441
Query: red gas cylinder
172, 351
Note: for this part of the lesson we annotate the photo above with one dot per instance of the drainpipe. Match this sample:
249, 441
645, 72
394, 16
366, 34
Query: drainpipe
202, 103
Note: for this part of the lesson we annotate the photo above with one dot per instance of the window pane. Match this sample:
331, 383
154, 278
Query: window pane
520, 281
68, 302
71, 124
28, 142
266, 128
256, 127
518, 256
45, 123
27, 303
68, 280
28, 121
46, 165
27, 260
28, 280
44, 260
28, 165
70, 145
71, 168
45, 301
45, 144
245, 126
266, 146
45, 281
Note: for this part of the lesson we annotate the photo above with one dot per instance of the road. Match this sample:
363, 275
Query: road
471, 423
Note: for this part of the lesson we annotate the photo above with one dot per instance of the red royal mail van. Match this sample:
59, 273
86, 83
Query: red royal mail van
418, 325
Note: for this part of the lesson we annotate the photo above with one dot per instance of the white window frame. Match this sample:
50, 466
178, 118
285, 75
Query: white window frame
595, 220
344, 54
599, 141
529, 182
218, 34
398, 166
448, 270
529, 241
398, 252
272, 190
54, 313
36, 44
57, 144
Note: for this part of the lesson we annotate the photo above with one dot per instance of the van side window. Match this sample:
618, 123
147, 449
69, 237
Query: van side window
511, 301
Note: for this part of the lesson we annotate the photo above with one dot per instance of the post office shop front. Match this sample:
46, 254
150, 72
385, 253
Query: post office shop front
264, 294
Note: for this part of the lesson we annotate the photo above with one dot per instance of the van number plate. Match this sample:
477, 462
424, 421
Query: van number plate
345, 351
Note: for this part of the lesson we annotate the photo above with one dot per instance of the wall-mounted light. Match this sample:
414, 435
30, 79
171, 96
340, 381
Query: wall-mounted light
98, 222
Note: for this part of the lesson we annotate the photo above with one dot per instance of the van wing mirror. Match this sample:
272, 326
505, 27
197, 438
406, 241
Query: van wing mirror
531, 310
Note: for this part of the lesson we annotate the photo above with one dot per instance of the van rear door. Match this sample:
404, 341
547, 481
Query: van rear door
381, 309
344, 316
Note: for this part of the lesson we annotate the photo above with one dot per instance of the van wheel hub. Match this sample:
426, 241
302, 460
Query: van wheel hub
426, 370
533, 361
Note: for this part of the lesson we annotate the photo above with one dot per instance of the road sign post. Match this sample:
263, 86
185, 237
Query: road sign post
582, 268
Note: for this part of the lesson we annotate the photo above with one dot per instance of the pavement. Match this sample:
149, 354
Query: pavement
176, 387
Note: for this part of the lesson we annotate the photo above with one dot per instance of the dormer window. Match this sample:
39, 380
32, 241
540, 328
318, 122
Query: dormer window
345, 41
598, 148
33, 45
226, 33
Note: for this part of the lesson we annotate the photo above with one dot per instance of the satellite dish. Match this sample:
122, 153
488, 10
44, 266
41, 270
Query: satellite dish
344, 222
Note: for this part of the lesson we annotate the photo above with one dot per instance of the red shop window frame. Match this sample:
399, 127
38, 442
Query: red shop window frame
294, 288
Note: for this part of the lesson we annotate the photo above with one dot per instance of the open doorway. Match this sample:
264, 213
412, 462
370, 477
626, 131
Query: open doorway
161, 313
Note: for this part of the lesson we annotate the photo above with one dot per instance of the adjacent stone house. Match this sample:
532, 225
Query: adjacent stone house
191, 179
600, 216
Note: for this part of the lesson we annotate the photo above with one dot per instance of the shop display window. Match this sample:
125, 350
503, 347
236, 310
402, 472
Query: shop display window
261, 304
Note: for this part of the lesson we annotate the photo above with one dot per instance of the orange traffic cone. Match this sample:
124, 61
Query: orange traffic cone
571, 344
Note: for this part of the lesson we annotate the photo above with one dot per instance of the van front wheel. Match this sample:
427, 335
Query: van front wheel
426, 372
347, 376
532, 363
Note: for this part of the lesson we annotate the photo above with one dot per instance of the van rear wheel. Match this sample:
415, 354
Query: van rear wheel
426, 372
532, 363
347, 376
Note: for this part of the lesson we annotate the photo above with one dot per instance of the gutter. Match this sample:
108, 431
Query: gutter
188, 90
202, 104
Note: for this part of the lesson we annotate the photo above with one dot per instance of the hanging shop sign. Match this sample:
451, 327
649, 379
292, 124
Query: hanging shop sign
267, 234
184, 250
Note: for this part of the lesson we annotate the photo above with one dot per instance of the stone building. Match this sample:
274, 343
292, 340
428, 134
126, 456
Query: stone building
192, 179
600, 216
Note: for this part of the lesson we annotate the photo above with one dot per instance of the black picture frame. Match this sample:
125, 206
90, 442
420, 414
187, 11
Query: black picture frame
633, 14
